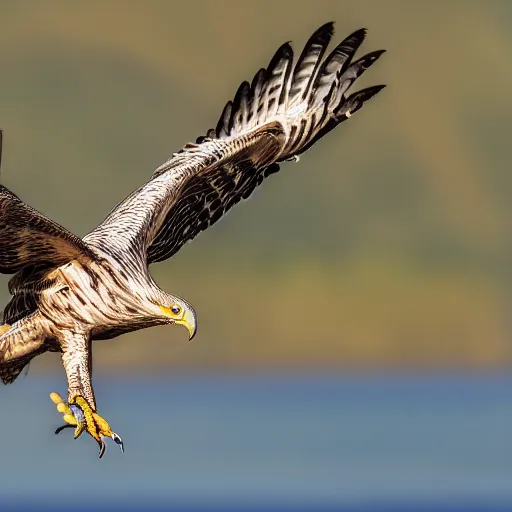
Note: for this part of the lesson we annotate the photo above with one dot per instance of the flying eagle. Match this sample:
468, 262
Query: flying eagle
68, 292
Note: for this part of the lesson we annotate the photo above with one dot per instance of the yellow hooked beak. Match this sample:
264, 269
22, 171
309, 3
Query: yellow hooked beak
187, 319
190, 322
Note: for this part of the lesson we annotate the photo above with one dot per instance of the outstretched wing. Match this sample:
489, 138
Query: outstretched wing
29, 238
282, 113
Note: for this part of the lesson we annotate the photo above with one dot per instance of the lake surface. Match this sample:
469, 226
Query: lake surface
266, 441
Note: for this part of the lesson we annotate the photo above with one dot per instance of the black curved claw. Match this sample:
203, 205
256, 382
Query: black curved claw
102, 448
118, 441
60, 429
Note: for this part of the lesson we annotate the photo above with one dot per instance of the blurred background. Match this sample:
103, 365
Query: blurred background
396, 227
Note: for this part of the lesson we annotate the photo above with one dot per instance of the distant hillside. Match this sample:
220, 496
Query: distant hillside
388, 244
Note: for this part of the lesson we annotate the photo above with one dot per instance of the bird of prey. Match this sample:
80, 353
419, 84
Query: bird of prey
68, 292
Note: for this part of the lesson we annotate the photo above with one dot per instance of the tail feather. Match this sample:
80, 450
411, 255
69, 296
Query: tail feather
20, 344
308, 99
9, 372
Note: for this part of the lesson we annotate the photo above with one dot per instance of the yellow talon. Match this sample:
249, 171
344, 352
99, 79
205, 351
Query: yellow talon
103, 425
63, 408
85, 419
79, 430
56, 398
70, 419
67, 413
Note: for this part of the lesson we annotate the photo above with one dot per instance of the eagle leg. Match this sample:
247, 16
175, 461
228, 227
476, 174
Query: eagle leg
81, 407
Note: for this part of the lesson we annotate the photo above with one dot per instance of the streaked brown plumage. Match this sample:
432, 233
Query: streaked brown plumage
68, 292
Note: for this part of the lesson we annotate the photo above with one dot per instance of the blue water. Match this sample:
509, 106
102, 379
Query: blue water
359, 442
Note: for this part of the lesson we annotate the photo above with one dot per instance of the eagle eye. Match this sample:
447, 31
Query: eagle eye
176, 310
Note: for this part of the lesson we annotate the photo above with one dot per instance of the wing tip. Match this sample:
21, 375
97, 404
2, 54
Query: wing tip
358, 36
327, 28
322, 35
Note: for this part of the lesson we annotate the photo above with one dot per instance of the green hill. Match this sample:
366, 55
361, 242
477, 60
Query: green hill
389, 244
